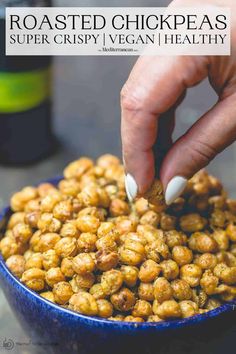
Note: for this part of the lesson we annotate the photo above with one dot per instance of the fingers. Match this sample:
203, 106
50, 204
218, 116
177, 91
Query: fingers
194, 150
154, 86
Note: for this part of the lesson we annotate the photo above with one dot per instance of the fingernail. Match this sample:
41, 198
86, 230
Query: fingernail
131, 187
175, 188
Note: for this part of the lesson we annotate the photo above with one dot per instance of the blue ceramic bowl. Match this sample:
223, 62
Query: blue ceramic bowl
60, 330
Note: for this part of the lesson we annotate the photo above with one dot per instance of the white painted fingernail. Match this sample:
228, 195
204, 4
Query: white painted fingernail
175, 188
131, 187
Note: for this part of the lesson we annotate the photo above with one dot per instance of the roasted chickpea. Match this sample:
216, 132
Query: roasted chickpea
118, 207
142, 308
69, 187
202, 243
125, 225
88, 223
66, 247
123, 300
162, 290
49, 201
16, 218
48, 295
20, 199
182, 255
46, 241
132, 253
170, 269
192, 222
53, 276
62, 292
9, 247
146, 291
84, 281
181, 290
191, 273
221, 239
16, 264
35, 261
46, 189
206, 261
67, 267
130, 275
149, 271
217, 218
209, 282
141, 206
225, 273
50, 259
168, 222
169, 309
111, 281
77, 168
97, 291
84, 303
132, 319
150, 217
83, 263
175, 238
154, 318
105, 308
231, 232
22, 232
47, 223
32, 218
106, 260
188, 308
87, 242
34, 278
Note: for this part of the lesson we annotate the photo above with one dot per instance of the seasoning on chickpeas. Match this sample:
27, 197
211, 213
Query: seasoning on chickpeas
84, 246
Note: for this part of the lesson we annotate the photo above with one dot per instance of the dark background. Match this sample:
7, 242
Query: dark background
87, 122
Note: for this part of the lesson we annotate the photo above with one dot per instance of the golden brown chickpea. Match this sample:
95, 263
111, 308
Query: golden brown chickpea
19, 199
106, 228
217, 202
149, 271
66, 247
162, 290
53, 276
15, 219
47, 223
9, 247
106, 260
107, 160
146, 291
192, 222
22, 232
150, 218
117, 318
118, 207
50, 259
28, 254
33, 205
105, 308
181, 290
69, 187
69, 229
225, 273
154, 318
175, 238
191, 273
97, 291
169, 309
16, 264
142, 309
188, 308
209, 282
202, 243
141, 206
34, 279
222, 240
89, 196
63, 210
49, 201
159, 247
67, 267
182, 255
34, 241
48, 295
152, 253
226, 257
88, 223
168, 222
35, 261
87, 242
77, 168
170, 269
217, 218
99, 213
84, 303
83, 263
84, 281
47, 241
126, 225
32, 218
62, 292
130, 275
132, 319
231, 232
46, 189
206, 261
106, 242
132, 253
133, 236
123, 300
111, 281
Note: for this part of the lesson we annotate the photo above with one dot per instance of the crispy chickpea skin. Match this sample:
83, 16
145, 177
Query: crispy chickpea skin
105, 308
106, 260
182, 255
202, 243
67, 267
83, 263
149, 271
88, 223
53, 276
123, 300
87, 242
84, 303
192, 223
62, 292
50, 259
131, 253
225, 273
111, 281
35, 261
66, 247
206, 261
169, 309
142, 308
191, 273
22, 232
16, 264
188, 308
181, 290
162, 290
48, 295
84, 281
170, 269
34, 278
146, 291
130, 275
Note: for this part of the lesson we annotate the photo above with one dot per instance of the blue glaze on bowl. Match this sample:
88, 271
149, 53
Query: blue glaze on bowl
64, 331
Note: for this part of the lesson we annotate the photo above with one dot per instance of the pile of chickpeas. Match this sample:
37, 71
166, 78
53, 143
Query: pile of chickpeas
83, 246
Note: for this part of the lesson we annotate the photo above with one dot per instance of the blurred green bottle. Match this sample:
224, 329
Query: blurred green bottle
25, 99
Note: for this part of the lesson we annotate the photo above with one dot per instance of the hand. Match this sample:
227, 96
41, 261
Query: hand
149, 98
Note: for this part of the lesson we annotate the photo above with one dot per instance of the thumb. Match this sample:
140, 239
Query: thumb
212, 133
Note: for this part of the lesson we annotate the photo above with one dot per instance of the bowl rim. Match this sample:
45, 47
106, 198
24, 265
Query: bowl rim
160, 326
